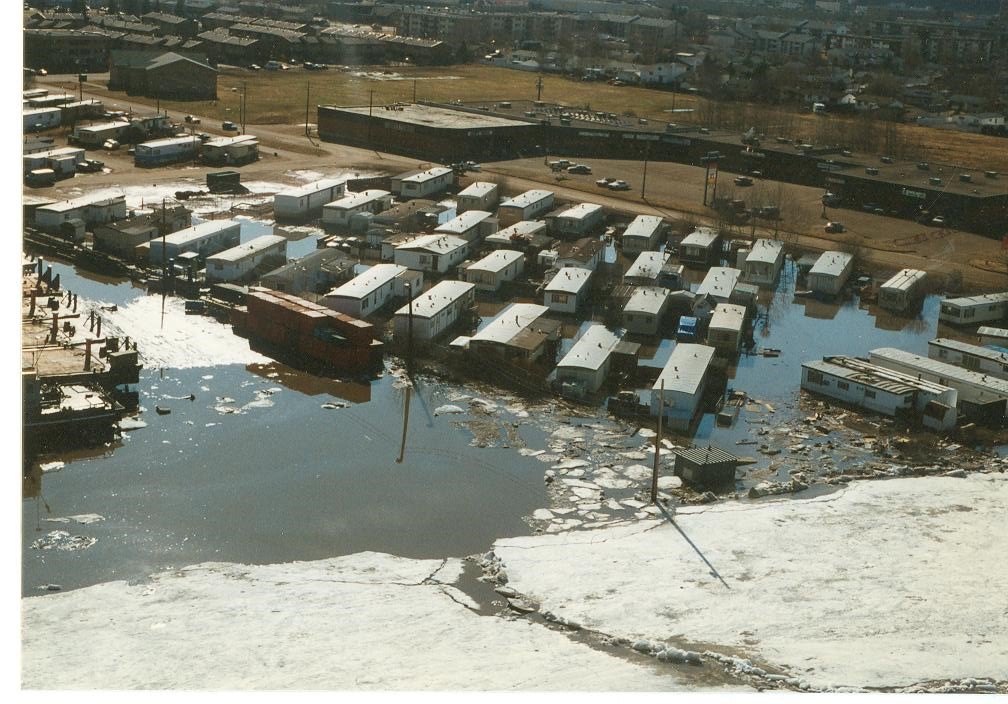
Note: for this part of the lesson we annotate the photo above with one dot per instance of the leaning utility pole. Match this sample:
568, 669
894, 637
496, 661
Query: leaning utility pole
657, 445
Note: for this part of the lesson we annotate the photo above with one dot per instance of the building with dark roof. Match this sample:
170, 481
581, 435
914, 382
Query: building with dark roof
69, 50
163, 75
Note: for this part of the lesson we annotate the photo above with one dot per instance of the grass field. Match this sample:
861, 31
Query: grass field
280, 97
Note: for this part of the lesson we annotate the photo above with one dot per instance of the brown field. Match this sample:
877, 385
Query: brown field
279, 97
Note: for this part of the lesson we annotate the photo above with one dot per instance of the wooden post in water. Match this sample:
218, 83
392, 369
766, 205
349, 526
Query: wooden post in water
657, 446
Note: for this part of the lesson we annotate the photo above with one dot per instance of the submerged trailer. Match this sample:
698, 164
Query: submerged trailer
902, 291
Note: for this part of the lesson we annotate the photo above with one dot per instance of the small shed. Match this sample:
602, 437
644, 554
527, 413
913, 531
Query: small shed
708, 467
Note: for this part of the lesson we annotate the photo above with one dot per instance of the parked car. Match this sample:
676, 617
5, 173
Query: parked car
604, 182
110, 145
938, 220
473, 166
229, 126
834, 227
743, 181
619, 185
255, 67
579, 169
90, 166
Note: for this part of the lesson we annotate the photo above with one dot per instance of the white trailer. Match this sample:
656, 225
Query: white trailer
421, 184
764, 262
204, 240
904, 289
567, 290
91, 210
370, 291
306, 201
337, 214
684, 379
479, 195
525, 206
583, 370
36, 119
238, 262
434, 311
830, 272
167, 151
969, 310
642, 235
983, 360
494, 269
63, 161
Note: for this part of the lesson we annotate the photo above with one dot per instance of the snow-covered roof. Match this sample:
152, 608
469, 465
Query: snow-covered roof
766, 251
643, 226
968, 301
523, 200
905, 279
831, 263
427, 175
700, 237
497, 260
197, 232
719, 282
647, 299
355, 200
437, 244
82, 202
478, 189
966, 348
592, 349
647, 265
509, 322
685, 369
580, 211
248, 249
570, 279
464, 222
310, 188
371, 280
436, 299
727, 316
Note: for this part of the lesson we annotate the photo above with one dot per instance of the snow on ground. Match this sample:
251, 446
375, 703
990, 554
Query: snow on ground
183, 341
883, 584
362, 622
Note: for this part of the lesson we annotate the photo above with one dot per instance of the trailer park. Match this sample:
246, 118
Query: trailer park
657, 361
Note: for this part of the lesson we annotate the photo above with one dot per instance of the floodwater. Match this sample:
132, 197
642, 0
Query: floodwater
256, 470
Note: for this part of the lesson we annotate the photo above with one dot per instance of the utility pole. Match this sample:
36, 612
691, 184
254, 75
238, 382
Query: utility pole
647, 153
244, 105
405, 423
657, 445
539, 87
306, 104
370, 102
409, 331
414, 91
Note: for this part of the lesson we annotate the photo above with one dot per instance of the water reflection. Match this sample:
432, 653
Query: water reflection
310, 384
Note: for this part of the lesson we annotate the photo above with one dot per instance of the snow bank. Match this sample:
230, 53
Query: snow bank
183, 341
887, 583
362, 622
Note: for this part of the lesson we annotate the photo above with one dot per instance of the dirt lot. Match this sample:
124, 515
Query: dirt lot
279, 97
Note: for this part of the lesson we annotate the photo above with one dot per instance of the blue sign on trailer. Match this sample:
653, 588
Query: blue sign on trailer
687, 331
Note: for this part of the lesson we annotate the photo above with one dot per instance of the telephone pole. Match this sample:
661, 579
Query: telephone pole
657, 445
539, 87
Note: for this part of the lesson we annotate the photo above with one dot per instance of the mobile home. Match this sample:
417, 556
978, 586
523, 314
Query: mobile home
204, 239
434, 253
525, 206
472, 225
678, 392
422, 184
830, 272
520, 332
434, 311
701, 248
724, 331
882, 390
167, 151
479, 195
494, 269
96, 135
970, 310
719, 283
764, 262
370, 291
63, 160
575, 221
901, 292
994, 337
583, 370
645, 310
37, 119
231, 151
306, 201
983, 360
337, 214
646, 269
91, 210
642, 235
980, 395
239, 262
567, 290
